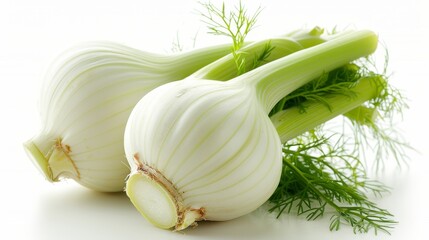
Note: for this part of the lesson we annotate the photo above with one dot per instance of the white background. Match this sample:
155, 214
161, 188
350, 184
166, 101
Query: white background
32, 33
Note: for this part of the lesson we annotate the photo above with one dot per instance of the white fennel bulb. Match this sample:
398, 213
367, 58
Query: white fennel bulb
206, 150
92, 89
86, 101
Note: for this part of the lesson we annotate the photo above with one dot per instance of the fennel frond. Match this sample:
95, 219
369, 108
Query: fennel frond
235, 25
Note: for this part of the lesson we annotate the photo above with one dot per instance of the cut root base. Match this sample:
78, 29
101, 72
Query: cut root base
152, 200
39, 160
158, 201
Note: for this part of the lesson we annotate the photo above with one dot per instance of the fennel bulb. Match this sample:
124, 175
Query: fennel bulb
93, 88
86, 101
206, 150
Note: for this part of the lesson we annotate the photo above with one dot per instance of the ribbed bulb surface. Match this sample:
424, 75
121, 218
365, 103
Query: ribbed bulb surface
85, 105
212, 141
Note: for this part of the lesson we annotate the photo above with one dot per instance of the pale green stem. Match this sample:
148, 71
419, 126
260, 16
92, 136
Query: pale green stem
363, 115
293, 122
223, 69
185, 63
279, 78
287, 44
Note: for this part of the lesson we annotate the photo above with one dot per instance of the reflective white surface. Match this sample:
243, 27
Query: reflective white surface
34, 32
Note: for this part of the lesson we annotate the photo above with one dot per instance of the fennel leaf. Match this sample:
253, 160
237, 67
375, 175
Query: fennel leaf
321, 173
320, 176
236, 25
